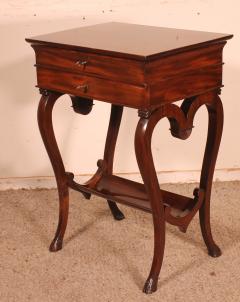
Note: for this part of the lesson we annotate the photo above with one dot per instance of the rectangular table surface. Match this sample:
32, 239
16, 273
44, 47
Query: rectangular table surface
139, 42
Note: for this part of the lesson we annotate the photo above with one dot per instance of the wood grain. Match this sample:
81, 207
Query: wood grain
133, 41
146, 68
92, 87
122, 70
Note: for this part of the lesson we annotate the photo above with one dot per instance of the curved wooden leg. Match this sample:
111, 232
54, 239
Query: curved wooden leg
215, 126
113, 129
146, 166
117, 214
46, 104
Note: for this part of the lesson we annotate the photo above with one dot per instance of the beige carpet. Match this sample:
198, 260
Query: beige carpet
106, 260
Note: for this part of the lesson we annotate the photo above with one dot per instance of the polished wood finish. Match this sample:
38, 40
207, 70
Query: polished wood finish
146, 68
131, 193
46, 129
134, 83
119, 69
91, 87
133, 41
111, 140
81, 105
215, 126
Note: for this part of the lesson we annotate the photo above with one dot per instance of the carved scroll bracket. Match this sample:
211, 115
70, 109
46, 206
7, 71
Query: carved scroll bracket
44, 92
145, 113
184, 217
81, 105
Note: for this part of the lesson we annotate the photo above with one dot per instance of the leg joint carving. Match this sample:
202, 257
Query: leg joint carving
44, 92
144, 113
82, 105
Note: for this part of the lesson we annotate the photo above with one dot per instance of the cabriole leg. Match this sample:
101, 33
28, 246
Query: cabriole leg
215, 125
113, 130
46, 104
146, 166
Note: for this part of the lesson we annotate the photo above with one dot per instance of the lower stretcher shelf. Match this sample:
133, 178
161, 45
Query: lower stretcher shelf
130, 193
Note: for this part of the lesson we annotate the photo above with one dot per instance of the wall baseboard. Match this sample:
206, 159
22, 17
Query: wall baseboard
48, 182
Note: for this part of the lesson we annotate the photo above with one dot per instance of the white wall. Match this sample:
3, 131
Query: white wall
81, 138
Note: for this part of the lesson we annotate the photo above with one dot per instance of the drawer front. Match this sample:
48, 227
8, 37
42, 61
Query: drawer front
184, 63
91, 87
124, 70
186, 85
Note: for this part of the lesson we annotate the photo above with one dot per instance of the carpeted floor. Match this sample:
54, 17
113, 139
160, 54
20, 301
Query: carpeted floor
106, 260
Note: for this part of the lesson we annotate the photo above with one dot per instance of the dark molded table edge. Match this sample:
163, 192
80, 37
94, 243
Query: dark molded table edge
128, 55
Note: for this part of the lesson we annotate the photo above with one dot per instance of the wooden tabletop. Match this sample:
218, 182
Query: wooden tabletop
140, 42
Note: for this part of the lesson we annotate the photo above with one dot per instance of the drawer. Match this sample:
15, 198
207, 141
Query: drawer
184, 63
92, 87
186, 85
124, 70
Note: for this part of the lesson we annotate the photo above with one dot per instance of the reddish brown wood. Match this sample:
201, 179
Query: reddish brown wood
164, 80
113, 130
105, 166
179, 210
146, 68
181, 121
183, 85
146, 167
91, 87
215, 113
173, 66
123, 70
132, 41
46, 129
81, 105
185, 62
183, 221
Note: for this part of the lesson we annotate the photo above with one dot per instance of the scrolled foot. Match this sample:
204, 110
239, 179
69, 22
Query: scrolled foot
117, 214
214, 251
56, 245
150, 286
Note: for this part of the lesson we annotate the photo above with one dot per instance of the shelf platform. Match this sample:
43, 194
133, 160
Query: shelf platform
179, 210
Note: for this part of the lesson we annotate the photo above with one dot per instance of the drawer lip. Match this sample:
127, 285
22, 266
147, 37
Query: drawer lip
103, 89
109, 53
173, 66
125, 55
190, 72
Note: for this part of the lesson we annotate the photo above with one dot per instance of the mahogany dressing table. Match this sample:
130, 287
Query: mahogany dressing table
146, 68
